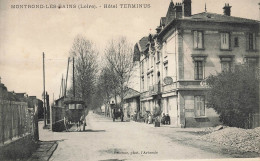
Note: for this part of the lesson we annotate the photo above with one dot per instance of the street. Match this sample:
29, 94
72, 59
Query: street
108, 140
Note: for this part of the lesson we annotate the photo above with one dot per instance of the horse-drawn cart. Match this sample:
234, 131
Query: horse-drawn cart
117, 112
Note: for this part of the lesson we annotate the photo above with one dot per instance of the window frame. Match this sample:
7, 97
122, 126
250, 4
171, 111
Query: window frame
251, 41
198, 110
195, 41
197, 70
225, 41
236, 42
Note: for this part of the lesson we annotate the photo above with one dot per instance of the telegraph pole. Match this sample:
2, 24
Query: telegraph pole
67, 77
73, 81
44, 108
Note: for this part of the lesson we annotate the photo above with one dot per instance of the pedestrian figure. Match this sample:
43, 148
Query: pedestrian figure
150, 121
163, 119
167, 119
65, 123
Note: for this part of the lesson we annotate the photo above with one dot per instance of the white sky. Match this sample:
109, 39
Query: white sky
26, 33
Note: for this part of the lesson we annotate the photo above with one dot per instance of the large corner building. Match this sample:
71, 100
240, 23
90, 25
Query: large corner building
186, 49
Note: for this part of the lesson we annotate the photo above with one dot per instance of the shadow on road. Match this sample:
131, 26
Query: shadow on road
112, 160
89, 130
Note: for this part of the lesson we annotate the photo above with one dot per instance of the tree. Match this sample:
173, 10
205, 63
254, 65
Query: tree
85, 68
119, 56
234, 95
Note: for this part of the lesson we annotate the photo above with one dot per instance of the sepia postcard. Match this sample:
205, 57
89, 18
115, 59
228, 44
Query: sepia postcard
113, 80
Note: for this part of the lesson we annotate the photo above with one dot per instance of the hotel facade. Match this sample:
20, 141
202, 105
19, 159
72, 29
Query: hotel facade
186, 49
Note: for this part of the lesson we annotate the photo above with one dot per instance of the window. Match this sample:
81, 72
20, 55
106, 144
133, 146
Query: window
225, 41
143, 83
147, 63
199, 106
236, 42
148, 81
252, 63
142, 67
251, 41
225, 66
152, 79
166, 69
198, 39
158, 56
198, 70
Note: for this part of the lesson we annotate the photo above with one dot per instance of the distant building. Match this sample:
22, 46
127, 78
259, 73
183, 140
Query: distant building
131, 103
185, 50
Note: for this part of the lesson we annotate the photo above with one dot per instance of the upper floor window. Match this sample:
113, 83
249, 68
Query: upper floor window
236, 42
198, 71
147, 62
251, 43
225, 40
148, 81
158, 56
143, 83
166, 69
199, 106
198, 39
142, 67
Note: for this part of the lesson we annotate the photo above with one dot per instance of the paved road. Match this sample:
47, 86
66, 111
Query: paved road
108, 140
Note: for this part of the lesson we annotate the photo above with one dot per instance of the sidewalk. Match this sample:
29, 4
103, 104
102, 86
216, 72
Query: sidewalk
44, 151
45, 147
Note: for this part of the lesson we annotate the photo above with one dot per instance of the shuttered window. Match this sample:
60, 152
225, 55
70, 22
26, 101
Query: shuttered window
198, 39
251, 41
199, 106
225, 40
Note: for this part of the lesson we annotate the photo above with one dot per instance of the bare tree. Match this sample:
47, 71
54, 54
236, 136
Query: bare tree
85, 68
119, 57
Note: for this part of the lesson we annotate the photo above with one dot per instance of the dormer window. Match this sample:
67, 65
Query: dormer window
198, 39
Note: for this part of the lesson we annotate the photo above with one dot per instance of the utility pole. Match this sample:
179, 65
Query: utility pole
44, 108
67, 77
73, 81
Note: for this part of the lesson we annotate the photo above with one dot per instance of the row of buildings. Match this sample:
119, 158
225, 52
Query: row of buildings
186, 49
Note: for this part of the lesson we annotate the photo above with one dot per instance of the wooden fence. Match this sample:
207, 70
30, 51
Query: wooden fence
16, 121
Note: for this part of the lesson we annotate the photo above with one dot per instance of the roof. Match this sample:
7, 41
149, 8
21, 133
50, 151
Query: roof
131, 93
140, 47
214, 17
170, 13
142, 44
210, 17
162, 21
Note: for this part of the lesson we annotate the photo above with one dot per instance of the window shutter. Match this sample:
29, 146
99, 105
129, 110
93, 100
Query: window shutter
200, 40
254, 41
247, 41
229, 40
195, 39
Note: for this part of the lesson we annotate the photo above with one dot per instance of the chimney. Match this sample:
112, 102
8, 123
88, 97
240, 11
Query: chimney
186, 8
259, 10
178, 10
227, 9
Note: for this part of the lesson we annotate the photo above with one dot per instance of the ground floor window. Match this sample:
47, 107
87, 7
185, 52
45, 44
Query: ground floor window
199, 106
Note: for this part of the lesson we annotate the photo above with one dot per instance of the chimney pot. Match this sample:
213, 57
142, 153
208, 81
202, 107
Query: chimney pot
227, 9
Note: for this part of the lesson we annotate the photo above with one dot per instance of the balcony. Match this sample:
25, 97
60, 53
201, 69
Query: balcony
155, 89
